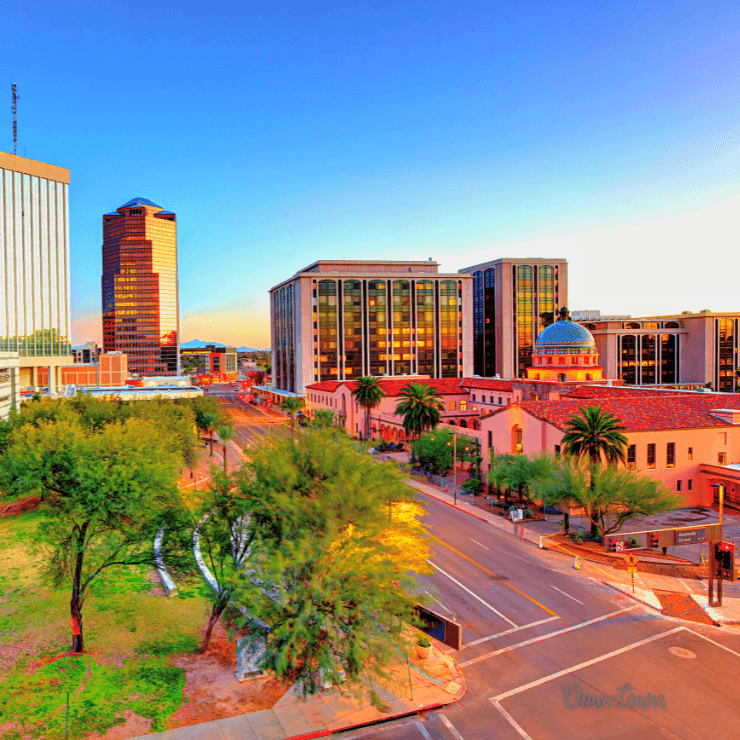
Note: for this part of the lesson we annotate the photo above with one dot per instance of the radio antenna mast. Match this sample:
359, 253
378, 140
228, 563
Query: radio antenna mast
14, 89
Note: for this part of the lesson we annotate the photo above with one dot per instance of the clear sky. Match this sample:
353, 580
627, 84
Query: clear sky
603, 132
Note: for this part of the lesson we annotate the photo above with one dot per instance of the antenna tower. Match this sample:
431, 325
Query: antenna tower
14, 89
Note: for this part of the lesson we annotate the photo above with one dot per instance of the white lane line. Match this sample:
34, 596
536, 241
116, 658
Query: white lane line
586, 664
474, 595
508, 632
568, 595
547, 636
478, 543
449, 726
423, 730
449, 611
737, 655
511, 720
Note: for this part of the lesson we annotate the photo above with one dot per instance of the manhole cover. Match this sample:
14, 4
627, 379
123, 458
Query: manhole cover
681, 652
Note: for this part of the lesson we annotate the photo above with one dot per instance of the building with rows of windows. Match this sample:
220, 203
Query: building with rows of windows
339, 320
687, 349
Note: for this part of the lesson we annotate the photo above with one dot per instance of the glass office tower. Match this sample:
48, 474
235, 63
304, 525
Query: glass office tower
140, 292
34, 266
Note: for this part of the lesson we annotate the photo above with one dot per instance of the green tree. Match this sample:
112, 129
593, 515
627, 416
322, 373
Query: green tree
420, 408
226, 433
498, 474
433, 451
518, 472
292, 405
331, 576
107, 494
323, 418
596, 435
369, 395
209, 420
610, 496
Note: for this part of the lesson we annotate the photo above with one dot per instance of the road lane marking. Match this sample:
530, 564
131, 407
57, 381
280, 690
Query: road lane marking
737, 655
568, 595
508, 632
491, 573
587, 663
478, 543
450, 727
547, 636
423, 730
474, 595
449, 611
511, 720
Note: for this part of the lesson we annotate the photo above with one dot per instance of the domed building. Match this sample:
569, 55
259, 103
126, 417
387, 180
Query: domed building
565, 352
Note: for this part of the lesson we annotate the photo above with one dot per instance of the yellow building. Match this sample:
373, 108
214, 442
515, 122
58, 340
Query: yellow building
565, 351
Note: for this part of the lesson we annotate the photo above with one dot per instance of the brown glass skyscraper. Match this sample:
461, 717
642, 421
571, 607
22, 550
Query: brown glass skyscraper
140, 301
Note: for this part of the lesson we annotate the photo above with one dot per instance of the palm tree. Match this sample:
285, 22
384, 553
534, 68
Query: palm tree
209, 420
292, 405
368, 394
227, 433
323, 418
420, 408
596, 436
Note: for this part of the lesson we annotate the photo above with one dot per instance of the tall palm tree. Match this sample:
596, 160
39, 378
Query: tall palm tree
209, 421
596, 435
420, 408
368, 394
227, 433
323, 418
292, 405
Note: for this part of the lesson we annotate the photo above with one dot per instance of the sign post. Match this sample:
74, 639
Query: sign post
632, 562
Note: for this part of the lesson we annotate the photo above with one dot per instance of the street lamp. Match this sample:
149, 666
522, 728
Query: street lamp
454, 461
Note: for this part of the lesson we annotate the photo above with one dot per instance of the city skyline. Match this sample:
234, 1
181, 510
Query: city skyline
605, 136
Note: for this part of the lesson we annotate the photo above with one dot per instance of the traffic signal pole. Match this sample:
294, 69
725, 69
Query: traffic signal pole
712, 558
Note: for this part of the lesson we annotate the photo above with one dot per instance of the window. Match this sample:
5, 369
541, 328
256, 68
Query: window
722, 458
691, 453
508, 401
651, 457
557, 450
670, 455
678, 485
723, 438
690, 484
482, 399
500, 401
473, 396
463, 405
490, 440
631, 457
451, 406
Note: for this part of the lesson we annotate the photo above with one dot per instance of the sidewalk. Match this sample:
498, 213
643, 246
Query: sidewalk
645, 583
422, 686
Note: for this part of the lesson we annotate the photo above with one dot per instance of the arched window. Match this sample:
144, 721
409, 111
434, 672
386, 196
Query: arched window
588, 376
672, 325
561, 377
517, 440
632, 325
463, 423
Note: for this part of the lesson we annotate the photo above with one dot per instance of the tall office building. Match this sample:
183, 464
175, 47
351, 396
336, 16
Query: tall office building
339, 320
514, 300
140, 294
34, 267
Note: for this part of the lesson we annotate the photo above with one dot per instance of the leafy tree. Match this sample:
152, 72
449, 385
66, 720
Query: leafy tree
369, 395
331, 576
420, 408
433, 451
323, 418
610, 496
292, 405
210, 420
518, 472
596, 435
225, 542
107, 493
227, 433
498, 473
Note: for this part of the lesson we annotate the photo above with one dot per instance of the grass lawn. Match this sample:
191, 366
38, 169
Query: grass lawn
130, 633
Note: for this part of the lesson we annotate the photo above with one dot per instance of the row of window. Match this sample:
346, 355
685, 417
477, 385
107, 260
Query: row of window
491, 400
670, 455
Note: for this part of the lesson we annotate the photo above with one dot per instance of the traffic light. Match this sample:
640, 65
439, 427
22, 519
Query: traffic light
724, 561
653, 539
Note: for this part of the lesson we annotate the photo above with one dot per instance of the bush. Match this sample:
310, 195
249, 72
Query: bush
472, 485
528, 513
423, 641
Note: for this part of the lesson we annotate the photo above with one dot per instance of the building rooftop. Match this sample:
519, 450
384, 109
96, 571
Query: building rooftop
139, 202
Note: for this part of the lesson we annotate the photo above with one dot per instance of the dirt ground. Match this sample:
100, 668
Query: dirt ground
682, 606
212, 690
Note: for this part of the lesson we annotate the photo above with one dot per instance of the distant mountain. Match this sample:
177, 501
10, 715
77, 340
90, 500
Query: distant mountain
198, 343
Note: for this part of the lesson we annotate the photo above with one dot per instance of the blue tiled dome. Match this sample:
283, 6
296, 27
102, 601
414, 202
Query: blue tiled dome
565, 334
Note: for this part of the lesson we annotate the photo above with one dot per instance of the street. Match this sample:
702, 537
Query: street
540, 638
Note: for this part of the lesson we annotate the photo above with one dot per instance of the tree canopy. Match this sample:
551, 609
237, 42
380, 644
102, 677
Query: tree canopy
369, 394
595, 434
420, 407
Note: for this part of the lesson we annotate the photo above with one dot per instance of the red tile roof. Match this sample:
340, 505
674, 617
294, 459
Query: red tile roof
643, 412
329, 386
609, 391
444, 386
487, 384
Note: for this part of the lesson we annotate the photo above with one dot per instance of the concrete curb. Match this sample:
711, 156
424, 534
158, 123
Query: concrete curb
644, 596
713, 614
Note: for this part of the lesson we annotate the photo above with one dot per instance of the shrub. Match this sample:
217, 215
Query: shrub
423, 641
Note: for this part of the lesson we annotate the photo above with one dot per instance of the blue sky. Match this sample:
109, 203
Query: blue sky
605, 133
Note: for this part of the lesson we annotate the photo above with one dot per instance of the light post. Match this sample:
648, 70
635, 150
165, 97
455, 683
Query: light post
721, 492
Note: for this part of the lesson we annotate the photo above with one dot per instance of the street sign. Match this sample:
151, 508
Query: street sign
690, 536
631, 561
620, 546
631, 570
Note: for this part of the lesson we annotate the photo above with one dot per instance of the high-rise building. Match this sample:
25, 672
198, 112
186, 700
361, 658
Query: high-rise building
341, 319
34, 267
140, 294
513, 301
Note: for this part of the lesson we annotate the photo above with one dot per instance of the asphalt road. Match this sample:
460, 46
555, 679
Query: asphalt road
539, 637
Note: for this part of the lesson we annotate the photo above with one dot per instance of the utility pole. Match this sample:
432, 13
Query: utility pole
14, 91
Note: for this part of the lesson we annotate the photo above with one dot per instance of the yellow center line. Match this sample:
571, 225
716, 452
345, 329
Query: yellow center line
491, 573
557, 546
